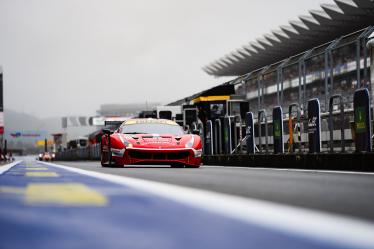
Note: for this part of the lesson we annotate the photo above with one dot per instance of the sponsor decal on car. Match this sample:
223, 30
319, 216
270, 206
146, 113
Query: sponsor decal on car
150, 121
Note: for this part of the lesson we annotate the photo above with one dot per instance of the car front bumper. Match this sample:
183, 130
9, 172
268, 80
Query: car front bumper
187, 156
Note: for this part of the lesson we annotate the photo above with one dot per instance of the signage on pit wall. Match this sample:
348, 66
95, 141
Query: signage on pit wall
19, 134
360, 113
42, 142
361, 105
278, 129
314, 126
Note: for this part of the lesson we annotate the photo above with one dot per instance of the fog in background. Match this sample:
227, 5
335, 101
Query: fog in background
67, 57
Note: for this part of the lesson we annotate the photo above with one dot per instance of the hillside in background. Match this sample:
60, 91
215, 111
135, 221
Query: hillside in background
17, 121
40, 128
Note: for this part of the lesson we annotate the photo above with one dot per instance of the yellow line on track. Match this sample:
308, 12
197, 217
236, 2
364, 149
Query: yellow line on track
71, 194
36, 168
41, 174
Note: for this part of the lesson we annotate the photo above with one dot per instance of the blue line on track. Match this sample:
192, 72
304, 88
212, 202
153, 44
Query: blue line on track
130, 219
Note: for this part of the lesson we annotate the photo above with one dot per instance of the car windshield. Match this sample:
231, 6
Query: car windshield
154, 128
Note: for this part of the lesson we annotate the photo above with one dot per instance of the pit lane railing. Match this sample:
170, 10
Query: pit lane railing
338, 130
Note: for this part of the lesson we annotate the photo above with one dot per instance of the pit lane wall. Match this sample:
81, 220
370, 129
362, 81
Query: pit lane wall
91, 152
362, 162
359, 162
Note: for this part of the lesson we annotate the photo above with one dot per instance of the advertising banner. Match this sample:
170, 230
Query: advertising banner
314, 126
361, 106
278, 130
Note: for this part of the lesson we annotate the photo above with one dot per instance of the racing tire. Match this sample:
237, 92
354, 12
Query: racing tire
177, 165
101, 157
192, 166
110, 164
104, 164
101, 161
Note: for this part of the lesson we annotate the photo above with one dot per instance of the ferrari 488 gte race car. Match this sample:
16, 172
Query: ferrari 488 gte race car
150, 141
46, 156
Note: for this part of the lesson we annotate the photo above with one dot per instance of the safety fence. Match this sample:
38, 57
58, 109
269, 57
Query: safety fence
337, 67
297, 131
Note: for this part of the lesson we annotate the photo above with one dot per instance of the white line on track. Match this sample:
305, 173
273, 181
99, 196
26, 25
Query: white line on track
332, 228
8, 166
297, 170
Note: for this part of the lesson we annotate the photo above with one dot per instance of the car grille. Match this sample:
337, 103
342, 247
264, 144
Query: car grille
159, 155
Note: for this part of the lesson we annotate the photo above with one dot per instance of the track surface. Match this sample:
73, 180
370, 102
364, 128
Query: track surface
349, 194
49, 206
46, 205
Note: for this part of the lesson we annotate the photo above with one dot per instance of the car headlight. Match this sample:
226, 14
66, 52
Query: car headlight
198, 153
117, 152
125, 142
53, 155
190, 143
40, 155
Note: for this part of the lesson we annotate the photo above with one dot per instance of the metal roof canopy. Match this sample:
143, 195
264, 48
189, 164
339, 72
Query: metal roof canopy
229, 86
221, 90
320, 26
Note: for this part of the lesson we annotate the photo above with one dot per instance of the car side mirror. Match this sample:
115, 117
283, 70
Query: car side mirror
107, 131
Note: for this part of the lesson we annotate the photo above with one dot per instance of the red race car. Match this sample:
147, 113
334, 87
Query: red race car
150, 141
46, 156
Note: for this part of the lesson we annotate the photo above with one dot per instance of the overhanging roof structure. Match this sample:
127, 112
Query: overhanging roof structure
225, 89
318, 27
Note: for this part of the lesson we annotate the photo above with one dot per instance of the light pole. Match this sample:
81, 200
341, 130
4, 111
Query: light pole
370, 46
1, 109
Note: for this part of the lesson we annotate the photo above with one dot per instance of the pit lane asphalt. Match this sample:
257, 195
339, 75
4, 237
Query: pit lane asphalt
349, 194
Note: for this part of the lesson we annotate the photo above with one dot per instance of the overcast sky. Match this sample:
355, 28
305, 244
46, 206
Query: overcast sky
66, 57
